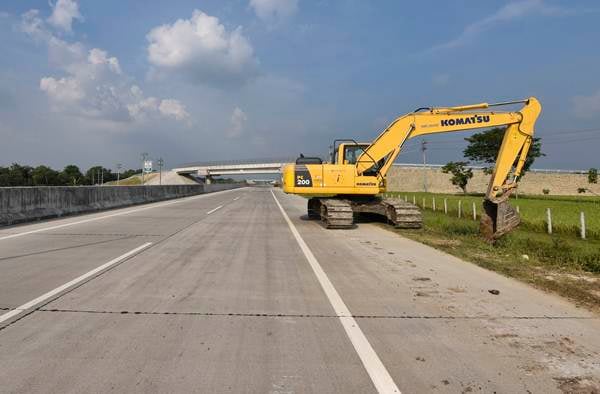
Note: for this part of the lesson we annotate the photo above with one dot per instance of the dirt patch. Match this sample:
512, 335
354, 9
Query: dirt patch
578, 385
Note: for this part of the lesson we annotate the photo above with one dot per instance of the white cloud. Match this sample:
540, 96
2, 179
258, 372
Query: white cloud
33, 25
63, 89
142, 108
94, 86
173, 108
238, 120
509, 12
100, 57
63, 14
274, 10
202, 49
60, 52
587, 106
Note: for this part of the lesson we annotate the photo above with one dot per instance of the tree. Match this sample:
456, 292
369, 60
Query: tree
4, 176
484, 147
19, 175
44, 175
593, 175
92, 175
460, 173
71, 175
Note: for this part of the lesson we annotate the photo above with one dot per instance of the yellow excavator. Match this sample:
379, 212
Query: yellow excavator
352, 182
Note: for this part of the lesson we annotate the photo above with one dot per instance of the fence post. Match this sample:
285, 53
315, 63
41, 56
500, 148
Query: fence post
459, 208
518, 210
433, 204
582, 220
445, 206
423, 202
405, 198
549, 220
474, 211
414, 200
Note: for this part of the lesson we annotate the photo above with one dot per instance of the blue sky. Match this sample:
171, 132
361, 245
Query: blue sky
90, 82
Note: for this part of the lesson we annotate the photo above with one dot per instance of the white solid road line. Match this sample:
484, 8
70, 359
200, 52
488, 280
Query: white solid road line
75, 281
377, 372
213, 210
112, 215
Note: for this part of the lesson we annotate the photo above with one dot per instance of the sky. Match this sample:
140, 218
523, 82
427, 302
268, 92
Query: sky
99, 82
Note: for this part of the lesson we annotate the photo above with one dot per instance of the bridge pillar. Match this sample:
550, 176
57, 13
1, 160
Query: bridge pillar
208, 180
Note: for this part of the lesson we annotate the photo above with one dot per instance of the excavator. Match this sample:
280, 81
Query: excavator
352, 182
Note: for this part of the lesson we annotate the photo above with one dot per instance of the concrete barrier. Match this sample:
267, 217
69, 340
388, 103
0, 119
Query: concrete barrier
25, 204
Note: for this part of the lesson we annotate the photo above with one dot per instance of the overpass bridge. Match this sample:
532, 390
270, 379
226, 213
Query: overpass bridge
208, 170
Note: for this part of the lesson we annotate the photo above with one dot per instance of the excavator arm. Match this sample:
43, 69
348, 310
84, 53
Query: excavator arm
515, 145
499, 217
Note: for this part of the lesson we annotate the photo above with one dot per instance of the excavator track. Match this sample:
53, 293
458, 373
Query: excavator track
337, 213
403, 214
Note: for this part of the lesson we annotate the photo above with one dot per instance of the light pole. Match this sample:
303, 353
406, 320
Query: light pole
144, 156
160, 166
119, 166
423, 149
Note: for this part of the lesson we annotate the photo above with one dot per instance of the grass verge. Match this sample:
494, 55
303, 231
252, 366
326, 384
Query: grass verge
565, 265
565, 210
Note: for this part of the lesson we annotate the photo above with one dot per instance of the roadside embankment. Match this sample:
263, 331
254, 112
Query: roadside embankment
25, 204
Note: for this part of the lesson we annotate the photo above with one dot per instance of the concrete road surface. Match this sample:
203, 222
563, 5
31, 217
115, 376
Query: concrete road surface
229, 293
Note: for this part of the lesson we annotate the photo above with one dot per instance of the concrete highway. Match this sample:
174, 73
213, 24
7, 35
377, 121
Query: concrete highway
236, 292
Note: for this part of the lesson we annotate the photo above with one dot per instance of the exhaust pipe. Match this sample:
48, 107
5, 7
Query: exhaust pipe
497, 219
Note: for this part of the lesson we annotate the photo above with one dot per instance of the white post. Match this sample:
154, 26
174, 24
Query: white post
518, 210
414, 200
474, 211
433, 203
549, 220
459, 208
423, 202
445, 206
405, 198
582, 220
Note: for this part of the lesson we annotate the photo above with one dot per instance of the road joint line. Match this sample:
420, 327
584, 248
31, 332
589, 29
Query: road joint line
378, 373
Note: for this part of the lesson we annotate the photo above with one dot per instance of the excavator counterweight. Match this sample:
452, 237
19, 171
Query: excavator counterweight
357, 173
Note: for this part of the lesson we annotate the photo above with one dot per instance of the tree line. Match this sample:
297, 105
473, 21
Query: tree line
71, 175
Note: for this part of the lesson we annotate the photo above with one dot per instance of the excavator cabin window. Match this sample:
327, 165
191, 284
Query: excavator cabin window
352, 153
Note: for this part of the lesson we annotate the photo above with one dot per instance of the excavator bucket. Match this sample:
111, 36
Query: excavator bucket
497, 219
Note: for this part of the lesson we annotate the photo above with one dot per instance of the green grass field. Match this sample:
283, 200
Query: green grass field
565, 210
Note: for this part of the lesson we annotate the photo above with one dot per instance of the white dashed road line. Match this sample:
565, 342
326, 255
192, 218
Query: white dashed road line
213, 210
58, 290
